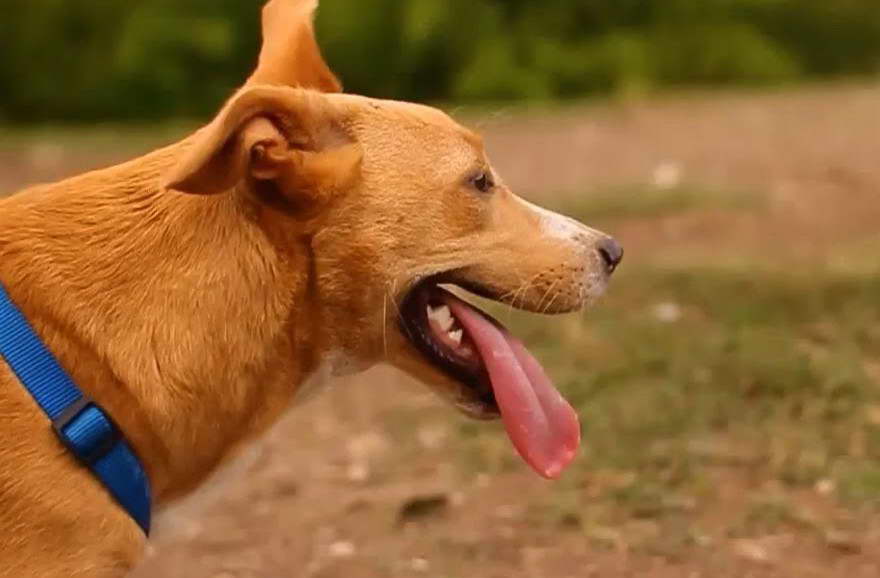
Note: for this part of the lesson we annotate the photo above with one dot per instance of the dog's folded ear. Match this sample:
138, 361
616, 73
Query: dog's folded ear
293, 138
290, 54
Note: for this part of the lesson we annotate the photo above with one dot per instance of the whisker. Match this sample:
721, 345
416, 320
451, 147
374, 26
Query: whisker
507, 298
511, 293
393, 299
524, 290
555, 297
385, 324
390, 292
511, 305
552, 301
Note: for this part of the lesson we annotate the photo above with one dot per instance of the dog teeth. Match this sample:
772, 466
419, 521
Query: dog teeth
456, 336
442, 316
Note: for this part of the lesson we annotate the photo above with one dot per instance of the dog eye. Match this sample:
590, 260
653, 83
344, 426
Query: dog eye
483, 182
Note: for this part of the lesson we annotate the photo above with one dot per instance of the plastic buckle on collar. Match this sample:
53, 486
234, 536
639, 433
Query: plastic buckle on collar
86, 430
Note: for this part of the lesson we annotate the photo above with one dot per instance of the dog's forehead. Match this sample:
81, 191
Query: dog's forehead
412, 113
418, 112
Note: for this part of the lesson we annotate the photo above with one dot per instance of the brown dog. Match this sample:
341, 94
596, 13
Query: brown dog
193, 292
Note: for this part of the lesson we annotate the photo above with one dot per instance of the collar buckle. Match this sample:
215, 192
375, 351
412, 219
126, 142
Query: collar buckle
87, 431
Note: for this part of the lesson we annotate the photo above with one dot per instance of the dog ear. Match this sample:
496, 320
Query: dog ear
290, 54
292, 138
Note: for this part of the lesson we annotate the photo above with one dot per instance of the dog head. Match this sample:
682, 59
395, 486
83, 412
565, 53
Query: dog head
393, 201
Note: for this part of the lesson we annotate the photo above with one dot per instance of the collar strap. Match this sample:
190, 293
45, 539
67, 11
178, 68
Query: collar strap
82, 426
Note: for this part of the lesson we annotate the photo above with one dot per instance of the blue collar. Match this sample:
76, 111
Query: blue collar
82, 426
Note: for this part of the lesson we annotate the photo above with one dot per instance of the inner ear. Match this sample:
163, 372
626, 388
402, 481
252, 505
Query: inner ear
293, 137
266, 150
218, 161
298, 171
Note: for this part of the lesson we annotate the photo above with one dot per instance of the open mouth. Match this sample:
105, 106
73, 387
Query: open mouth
497, 374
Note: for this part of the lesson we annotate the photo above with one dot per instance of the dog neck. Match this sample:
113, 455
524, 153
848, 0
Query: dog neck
180, 314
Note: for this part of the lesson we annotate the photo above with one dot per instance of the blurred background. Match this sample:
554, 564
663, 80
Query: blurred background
729, 384
78, 60
99, 60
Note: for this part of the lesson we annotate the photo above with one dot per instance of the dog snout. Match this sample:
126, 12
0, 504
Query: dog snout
611, 253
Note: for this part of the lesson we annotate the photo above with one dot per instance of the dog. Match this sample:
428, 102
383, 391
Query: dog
194, 292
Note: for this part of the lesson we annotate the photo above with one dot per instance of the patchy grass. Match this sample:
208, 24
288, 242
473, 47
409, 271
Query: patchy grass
685, 371
769, 515
642, 201
859, 480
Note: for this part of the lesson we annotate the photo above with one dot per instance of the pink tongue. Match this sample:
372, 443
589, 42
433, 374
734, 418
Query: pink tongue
543, 427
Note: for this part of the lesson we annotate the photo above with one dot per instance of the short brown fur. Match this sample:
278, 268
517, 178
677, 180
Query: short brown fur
193, 291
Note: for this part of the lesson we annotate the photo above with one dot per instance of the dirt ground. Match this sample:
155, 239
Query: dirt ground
369, 480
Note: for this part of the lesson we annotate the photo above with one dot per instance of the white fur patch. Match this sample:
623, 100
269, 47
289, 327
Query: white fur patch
580, 236
560, 226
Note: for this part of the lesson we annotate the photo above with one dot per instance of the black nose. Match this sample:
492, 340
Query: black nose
612, 253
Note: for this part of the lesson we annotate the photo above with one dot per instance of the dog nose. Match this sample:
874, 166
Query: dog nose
611, 252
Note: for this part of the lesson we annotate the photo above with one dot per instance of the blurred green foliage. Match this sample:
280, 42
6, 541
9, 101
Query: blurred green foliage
126, 59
